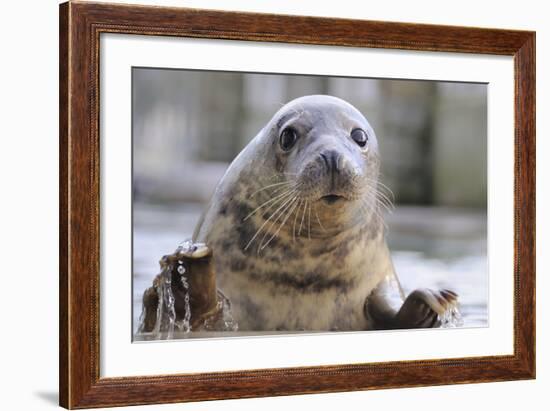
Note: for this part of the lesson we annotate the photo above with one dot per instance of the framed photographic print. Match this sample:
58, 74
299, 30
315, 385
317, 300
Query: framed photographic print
256, 205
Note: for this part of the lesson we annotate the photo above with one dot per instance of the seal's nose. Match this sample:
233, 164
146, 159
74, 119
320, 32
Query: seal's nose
330, 158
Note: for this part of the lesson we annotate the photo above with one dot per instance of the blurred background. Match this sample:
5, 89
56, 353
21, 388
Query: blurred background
189, 125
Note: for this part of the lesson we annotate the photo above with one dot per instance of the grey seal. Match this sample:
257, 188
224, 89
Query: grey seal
297, 232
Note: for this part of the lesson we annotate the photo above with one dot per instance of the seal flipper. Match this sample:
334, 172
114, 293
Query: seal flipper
383, 303
386, 308
424, 308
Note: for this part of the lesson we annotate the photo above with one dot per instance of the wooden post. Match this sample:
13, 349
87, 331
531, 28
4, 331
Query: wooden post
190, 277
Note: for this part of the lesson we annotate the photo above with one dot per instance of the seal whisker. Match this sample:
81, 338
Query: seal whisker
269, 186
380, 197
279, 189
387, 196
296, 218
370, 205
266, 221
389, 209
303, 215
385, 187
364, 207
381, 188
288, 214
383, 198
288, 203
383, 201
378, 214
309, 221
274, 199
319, 220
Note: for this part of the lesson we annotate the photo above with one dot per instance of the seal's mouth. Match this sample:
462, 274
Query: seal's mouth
332, 198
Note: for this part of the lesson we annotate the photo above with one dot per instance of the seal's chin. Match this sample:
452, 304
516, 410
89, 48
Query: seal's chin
331, 199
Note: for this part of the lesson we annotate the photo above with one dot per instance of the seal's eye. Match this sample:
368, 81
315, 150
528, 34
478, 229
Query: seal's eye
360, 137
288, 138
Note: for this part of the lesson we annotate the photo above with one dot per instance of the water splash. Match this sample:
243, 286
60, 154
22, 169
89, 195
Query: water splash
141, 326
167, 326
169, 303
166, 310
186, 246
224, 321
452, 318
185, 324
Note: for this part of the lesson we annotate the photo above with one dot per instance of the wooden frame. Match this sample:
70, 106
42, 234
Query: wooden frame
80, 27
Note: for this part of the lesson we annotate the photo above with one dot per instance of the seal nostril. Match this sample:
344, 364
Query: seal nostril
326, 160
330, 157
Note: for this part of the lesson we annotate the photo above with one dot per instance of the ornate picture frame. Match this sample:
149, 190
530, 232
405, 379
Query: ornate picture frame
81, 384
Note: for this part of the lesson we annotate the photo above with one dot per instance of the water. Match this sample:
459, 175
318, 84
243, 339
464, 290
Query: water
443, 248
166, 323
185, 325
452, 318
432, 248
